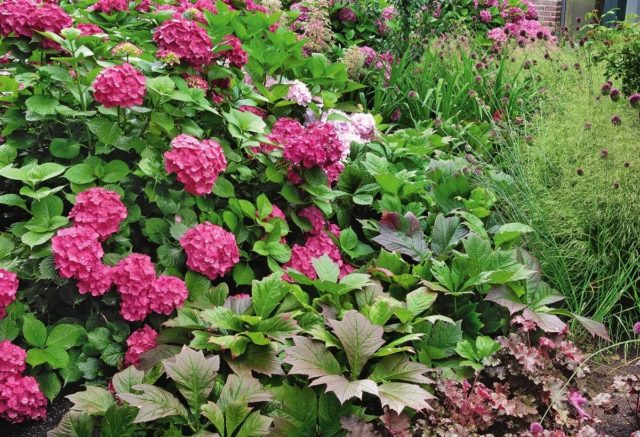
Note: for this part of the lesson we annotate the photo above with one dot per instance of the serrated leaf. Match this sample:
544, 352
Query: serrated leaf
359, 337
255, 425
73, 424
504, 296
326, 269
594, 328
420, 300
345, 389
259, 359
400, 368
124, 381
42, 105
446, 233
402, 234
193, 374
398, 395
34, 331
310, 358
94, 400
546, 322
117, 422
153, 403
267, 294
244, 390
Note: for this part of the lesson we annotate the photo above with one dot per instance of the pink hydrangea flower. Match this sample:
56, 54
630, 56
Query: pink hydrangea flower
144, 6
498, 35
276, 212
87, 29
195, 81
122, 86
196, 164
21, 399
318, 146
186, 39
8, 290
299, 93
167, 293
99, 209
315, 247
139, 342
485, 16
98, 281
16, 17
315, 217
133, 277
108, 6
364, 124
76, 251
210, 250
236, 55
50, 17
12, 360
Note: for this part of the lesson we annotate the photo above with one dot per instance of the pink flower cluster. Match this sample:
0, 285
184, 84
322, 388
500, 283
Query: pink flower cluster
141, 292
196, 164
236, 56
87, 29
308, 146
210, 250
139, 342
317, 244
99, 209
122, 86
108, 6
20, 396
521, 23
195, 10
186, 39
26, 17
8, 290
299, 93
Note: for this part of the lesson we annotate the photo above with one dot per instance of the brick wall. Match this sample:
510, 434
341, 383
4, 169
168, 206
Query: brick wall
549, 12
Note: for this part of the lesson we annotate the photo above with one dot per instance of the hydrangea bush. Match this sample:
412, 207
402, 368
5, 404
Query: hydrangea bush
203, 217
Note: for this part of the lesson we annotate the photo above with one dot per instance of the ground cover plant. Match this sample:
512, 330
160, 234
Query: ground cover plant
206, 232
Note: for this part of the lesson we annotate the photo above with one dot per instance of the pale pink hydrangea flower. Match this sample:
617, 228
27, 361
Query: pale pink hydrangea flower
210, 250
498, 35
121, 86
299, 93
99, 209
21, 399
139, 342
196, 164
8, 289
485, 16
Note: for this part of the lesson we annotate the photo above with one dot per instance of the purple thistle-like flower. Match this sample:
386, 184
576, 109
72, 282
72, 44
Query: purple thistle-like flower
615, 94
616, 120
536, 428
606, 89
634, 100
636, 328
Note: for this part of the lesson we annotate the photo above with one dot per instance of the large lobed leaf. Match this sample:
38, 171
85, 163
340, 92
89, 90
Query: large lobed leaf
402, 234
153, 403
310, 358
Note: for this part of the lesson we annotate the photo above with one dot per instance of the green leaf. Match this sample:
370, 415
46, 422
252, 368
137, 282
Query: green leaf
255, 425
399, 395
94, 400
47, 208
43, 105
510, 231
13, 200
224, 188
446, 233
107, 131
49, 384
9, 329
115, 171
267, 294
402, 234
124, 381
73, 424
80, 174
117, 422
66, 336
420, 300
400, 368
215, 415
345, 389
64, 148
153, 403
326, 269
34, 331
56, 357
243, 274
194, 375
33, 239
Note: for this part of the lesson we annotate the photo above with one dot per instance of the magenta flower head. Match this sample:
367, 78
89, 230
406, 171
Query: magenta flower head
186, 39
616, 120
395, 115
615, 94
210, 250
536, 428
21, 399
99, 209
121, 86
346, 15
139, 342
636, 328
606, 89
634, 100
8, 289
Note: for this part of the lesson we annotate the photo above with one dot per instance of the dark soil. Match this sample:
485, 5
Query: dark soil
620, 422
55, 411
